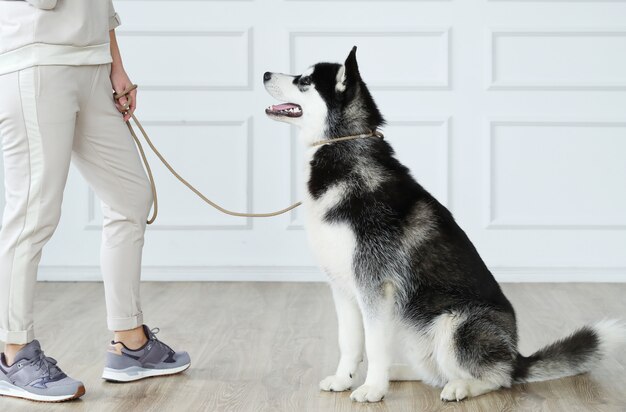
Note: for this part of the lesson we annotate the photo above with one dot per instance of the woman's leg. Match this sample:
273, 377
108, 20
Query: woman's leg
105, 154
37, 115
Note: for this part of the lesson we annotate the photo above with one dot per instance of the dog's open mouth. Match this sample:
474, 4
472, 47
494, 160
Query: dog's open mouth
285, 109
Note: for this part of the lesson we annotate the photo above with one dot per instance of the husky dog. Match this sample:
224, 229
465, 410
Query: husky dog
407, 282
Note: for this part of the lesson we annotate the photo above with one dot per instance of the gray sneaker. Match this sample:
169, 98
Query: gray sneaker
36, 377
154, 358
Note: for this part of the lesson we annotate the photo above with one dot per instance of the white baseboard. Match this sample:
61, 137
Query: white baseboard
314, 274
191, 274
559, 274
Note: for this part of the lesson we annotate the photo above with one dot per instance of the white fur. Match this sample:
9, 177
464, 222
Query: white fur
418, 350
314, 109
612, 333
430, 352
341, 79
351, 341
442, 334
333, 244
459, 389
378, 323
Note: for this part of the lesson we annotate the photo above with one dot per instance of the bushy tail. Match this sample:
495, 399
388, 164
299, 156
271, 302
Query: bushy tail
577, 353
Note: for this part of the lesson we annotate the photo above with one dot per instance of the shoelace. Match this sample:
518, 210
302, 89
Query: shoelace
42, 361
153, 337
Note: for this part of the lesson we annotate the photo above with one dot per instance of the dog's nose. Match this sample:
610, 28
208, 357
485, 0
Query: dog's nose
267, 76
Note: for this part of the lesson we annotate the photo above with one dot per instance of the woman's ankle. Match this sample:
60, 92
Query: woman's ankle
132, 339
10, 350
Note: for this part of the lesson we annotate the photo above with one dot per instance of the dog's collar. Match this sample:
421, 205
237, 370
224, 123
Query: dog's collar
372, 133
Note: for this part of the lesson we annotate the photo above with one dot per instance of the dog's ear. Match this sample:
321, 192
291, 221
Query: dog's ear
352, 67
348, 74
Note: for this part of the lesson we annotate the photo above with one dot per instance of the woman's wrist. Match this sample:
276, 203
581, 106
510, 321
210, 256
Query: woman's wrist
116, 64
117, 68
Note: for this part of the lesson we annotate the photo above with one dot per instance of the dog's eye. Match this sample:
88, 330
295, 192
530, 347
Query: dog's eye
305, 81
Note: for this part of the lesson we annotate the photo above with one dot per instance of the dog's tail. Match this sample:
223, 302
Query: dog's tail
574, 354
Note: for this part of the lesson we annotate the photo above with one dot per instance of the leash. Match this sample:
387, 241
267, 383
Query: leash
155, 209
371, 133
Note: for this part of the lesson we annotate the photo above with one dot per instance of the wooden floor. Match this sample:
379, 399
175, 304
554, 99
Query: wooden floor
265, 346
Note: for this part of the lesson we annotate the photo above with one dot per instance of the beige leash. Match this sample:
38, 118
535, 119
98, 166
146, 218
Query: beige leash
373, 133
155, 208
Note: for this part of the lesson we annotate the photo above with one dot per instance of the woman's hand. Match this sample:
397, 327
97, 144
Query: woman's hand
121, 82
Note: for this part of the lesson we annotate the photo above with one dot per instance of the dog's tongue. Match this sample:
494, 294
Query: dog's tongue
284, 106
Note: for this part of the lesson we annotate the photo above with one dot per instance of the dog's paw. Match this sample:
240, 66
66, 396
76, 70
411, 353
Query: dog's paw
460, 389
455, 391
336, 383
368, 393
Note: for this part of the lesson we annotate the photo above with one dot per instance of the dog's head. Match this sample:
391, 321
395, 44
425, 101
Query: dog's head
327, 100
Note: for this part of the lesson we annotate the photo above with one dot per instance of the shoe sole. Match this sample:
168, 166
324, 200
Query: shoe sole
135, 373
12, 391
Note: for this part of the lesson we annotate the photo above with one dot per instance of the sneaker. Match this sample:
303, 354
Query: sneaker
154, 358
37, 377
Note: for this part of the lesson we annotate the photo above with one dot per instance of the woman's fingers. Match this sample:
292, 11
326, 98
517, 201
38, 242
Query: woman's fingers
128, 107
119, 107
127, 104
123, 100
133, 101
122, 104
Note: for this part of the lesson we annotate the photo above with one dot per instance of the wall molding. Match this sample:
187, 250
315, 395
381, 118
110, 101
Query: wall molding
490, 58
488, 172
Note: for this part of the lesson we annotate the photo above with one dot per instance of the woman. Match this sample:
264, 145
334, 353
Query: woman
59, 66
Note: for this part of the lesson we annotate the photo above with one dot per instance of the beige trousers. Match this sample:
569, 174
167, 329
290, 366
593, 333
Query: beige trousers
49, 115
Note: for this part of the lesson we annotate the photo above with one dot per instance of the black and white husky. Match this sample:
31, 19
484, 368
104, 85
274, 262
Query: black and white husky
407, 282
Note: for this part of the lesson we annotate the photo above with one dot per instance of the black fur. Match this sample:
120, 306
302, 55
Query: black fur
570, 353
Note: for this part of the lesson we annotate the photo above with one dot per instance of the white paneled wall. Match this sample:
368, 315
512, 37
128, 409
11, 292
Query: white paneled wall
512, 112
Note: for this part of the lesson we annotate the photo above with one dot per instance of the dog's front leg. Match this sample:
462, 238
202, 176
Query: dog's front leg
377, 312
350, 334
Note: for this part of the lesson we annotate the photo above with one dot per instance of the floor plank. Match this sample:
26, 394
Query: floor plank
265, 346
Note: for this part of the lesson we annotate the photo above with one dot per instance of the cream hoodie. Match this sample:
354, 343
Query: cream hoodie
72, 32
